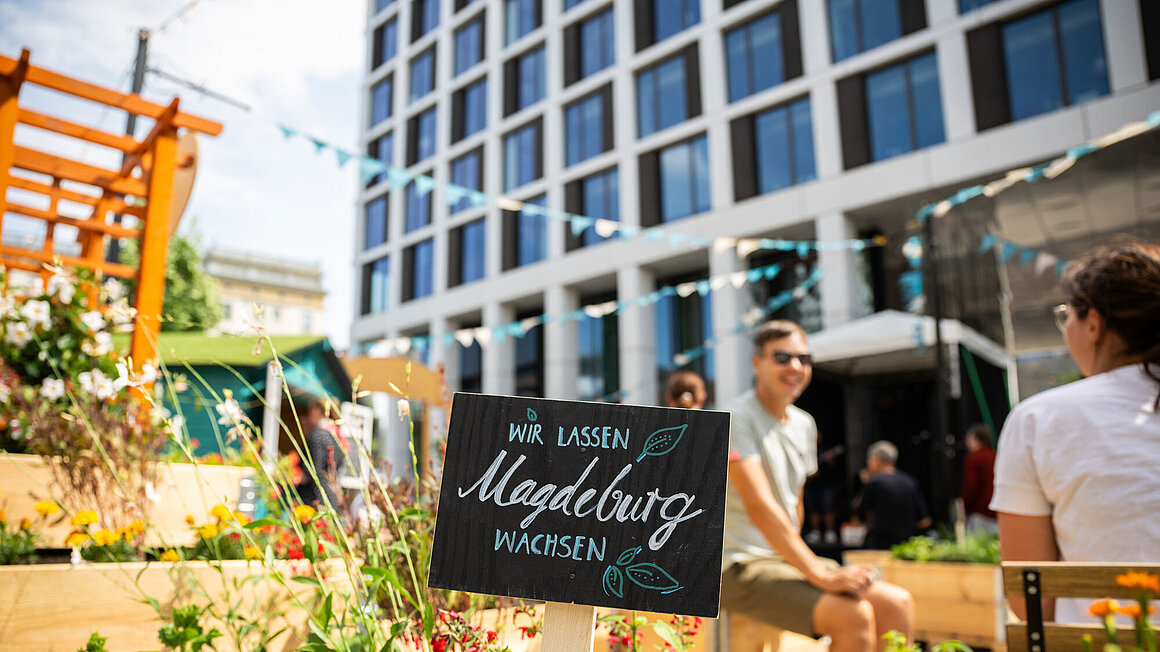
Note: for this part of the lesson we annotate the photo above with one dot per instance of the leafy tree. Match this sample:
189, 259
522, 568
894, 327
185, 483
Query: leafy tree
191, 295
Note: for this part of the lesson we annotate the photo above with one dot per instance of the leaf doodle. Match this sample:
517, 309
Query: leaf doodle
662, 441
613, 582
650, 576
532, 415
627, 556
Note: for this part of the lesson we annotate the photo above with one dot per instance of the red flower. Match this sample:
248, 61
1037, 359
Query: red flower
439, 644
491, 637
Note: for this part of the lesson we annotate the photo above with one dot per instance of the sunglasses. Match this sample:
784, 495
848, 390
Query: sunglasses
1061, 313
783, 357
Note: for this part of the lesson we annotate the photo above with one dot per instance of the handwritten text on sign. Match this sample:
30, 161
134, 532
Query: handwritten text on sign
588, 503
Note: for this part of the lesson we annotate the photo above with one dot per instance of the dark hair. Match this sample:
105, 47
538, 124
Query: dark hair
1122, 283
683, 388
981, 433
774, 330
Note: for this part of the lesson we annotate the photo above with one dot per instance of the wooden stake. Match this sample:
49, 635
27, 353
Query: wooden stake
569, 627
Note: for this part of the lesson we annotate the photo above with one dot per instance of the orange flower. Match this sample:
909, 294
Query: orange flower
252, 552
84, 517
207, 531
189, 520
1101, 608
75, 538
303, 513
1139, 580
25, 524
170, 555
46, 508
1133, 610
3, 518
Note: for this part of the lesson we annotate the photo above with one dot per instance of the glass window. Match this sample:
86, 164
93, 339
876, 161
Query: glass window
599, 359
530, 74
472, 110
597, 43
384, 44
427, 13
376, 277
971, 5
673, 16
1034, 47
568, 4
683, 324
661, 100
601, 196
904, 107
467, 171
684, 178
785, 146
584, 128
426, 127
375, 221
753, 55
523, 16
860, 25
422, 74
381, 148
380, 101
521, 156
423, 267
532, 234
418, 208
382, 4
472, 251
529, 354
471, 367
468, 45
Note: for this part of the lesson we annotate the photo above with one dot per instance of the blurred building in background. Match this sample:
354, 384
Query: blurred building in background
289, 291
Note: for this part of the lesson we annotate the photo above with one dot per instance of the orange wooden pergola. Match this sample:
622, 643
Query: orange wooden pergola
147, 176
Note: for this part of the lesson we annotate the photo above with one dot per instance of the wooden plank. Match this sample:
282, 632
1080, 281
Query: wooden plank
36, 161
14, 254
78, 131
128, 102
973, 623
1063, 579
1065, 637
87, 225
154, 248
749, 635
939, 581
45, 189
569, 627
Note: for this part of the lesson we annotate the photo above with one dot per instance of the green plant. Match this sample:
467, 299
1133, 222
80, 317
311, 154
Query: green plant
896, 642
628, 630
191, 295
17, 545
96, 644
184, 631
977, 548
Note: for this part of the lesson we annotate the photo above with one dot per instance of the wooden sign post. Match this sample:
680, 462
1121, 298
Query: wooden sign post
582, 505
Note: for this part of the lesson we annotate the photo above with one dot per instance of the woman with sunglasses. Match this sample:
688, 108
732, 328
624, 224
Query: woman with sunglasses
1078, 467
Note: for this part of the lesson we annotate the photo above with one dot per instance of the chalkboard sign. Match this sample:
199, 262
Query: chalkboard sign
586, 503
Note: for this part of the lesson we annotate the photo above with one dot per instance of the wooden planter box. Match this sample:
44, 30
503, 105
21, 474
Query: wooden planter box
184, 489
964, 602
57, 607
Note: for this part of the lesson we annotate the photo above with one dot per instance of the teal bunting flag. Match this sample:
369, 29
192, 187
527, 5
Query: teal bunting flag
287, 132
580, 223
398, 176
1007, 251
319, 145
342, 157
453, 194
370, 168
1026, 256
987, 244
424, 185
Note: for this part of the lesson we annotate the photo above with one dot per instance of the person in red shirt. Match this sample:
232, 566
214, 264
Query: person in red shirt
979, 480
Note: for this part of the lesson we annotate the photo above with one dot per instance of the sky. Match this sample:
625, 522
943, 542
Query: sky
294, 62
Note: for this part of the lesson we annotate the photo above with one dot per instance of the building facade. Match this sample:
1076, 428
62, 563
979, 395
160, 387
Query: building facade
289, 292
799, 120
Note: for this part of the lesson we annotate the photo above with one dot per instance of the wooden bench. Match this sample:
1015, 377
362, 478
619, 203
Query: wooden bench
1037, 581
748, 635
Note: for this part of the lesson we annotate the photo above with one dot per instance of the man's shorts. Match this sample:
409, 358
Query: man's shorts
773, 592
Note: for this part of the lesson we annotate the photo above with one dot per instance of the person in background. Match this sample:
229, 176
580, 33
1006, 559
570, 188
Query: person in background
890, 503
821, 489
979, 480
768, 571
322, 450
685, 389
1076, 471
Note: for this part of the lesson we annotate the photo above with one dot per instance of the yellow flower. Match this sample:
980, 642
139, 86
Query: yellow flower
303, 513
46, 508
136, 527
207, 531
220, 512
189, 520
170, 555
25, 524
84, 517
1101, 608
105, 537
241, 518
252, 552
1139, 580
75, 538
1133, 610
3, 518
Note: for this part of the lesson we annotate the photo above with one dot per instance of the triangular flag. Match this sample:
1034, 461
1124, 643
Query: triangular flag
453, 194
738, 279
629, 231
318, 145
286, 131
465, 337
398, 176
703, 287
686, 289
718, 282
370, 168
342, 157
424, 185
987, 244
803, 249
754, 275
606, 228
580, 223
1060, 267
1043, 261
1007, 251
478, 198
1026, 256
772, 271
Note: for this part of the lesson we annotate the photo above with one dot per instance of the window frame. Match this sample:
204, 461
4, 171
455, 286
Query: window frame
536, 124
430, 76
479, 21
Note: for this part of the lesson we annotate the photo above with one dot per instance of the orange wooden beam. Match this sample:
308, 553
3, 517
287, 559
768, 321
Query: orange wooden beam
45, 189
155, 243
9, 116
78, 131
131, 103
36, 161
95, 226
15, 254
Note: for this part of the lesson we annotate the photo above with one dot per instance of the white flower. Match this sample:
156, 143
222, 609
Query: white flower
103, 386
404, 407
229, 412
6, 305
52, 388
121, 313
36, 313
101, 344
124, 376
86, 380
5, 392
149, 373
114, 289
176, 426
93, 320
17, 333
60, 284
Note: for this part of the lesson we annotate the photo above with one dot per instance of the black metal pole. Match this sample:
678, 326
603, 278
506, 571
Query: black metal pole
114, 251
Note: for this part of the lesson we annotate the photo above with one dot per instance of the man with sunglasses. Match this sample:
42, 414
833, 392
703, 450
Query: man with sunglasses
768, 571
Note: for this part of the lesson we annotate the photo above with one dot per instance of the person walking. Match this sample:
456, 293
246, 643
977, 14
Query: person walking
979, 481
890, 502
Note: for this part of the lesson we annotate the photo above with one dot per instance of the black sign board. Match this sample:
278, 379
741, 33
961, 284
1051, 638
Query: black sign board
586, 503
